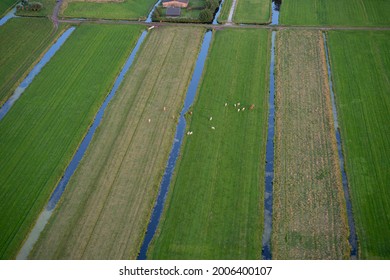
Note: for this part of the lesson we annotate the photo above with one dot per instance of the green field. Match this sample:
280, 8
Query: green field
336, 12
48, 6
113, 190
126, 9
43, 129
5, 5
252, 11
309, 214
360, 64
214, 208
223, 16
21, 56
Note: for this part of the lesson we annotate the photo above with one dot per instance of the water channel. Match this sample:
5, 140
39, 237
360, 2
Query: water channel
149, 18
56, 195
215, 21
269, 157
275, 11
352, 231
9, 15
180, 131
37, 68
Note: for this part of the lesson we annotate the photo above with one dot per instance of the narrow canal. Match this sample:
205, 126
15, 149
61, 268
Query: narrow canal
266, 252
351, 222
8, 16
174, 154
215, 21
56, 195
269, 157
149, 18
37, 68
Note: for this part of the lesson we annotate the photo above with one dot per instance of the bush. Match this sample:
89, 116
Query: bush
36, 6
206, 16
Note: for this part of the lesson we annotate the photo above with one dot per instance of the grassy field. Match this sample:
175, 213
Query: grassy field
48, 6
214, 209
252, 11
107, 205
21, 56
126, 9
223, 16
309, 214
336, 12
360, 64
43, 129
5, 5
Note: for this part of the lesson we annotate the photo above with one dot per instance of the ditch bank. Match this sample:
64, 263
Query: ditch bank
174, 154
351, 223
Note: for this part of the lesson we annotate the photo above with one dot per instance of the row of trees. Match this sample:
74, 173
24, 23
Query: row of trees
207, 14
26, 5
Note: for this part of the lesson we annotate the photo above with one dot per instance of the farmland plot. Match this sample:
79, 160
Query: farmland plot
106, 207
5, 5
42, 130
17, 57
360, 63
309, 215
112, 9
48, 6
214, 208
336, 12
252, 11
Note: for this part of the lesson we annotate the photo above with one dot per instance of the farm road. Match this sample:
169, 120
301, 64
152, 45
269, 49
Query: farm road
223, 26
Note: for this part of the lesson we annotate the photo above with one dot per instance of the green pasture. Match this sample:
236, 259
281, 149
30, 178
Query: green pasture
20, 57
252, 11
127, 9
360, 62
223, 16
335, 12
214, 208
43, 129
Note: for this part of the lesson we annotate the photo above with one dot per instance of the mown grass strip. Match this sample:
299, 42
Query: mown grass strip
309, 215
360, 64
106, 207
17, 56
126, 9
252, 11
43, 129
214, 209
336, 12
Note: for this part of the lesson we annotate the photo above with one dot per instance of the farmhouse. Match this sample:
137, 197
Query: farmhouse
173, 12
175, 3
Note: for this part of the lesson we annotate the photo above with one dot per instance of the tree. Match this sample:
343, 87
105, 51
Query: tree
206, 16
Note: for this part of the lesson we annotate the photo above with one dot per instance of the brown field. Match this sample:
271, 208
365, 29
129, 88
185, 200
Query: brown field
106, 207
309, 218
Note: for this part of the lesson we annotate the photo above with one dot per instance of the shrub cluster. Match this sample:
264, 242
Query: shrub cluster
25, 5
